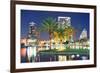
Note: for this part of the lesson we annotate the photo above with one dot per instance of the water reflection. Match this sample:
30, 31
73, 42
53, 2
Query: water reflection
30, 54
47, 57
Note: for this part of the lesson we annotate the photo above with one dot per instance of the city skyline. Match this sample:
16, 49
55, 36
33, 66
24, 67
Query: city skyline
78, 20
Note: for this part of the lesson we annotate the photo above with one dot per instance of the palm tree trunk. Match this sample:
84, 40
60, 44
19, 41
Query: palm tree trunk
79, 44
50, 43
61, 45
50, 37
38, 37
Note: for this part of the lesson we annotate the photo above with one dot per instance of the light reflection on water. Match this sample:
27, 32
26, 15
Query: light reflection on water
51, 57
29, 55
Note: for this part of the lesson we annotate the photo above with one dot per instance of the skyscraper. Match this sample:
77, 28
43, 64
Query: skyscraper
64, 22
32, 30
32, 36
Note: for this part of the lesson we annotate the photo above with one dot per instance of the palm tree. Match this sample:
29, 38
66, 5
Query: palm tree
38, 37
61, 34
69, 32
49, 25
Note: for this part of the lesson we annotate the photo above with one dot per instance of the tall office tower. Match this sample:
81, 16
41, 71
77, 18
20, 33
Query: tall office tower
64, 22
32, 30
32, 42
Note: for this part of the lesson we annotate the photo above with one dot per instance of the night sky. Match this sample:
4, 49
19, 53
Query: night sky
79, 21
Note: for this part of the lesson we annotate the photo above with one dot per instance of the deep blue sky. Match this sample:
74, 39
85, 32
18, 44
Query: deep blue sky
78, 20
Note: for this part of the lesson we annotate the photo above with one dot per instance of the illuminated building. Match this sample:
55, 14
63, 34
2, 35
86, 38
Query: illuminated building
83, 34
32, 42
64, 22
